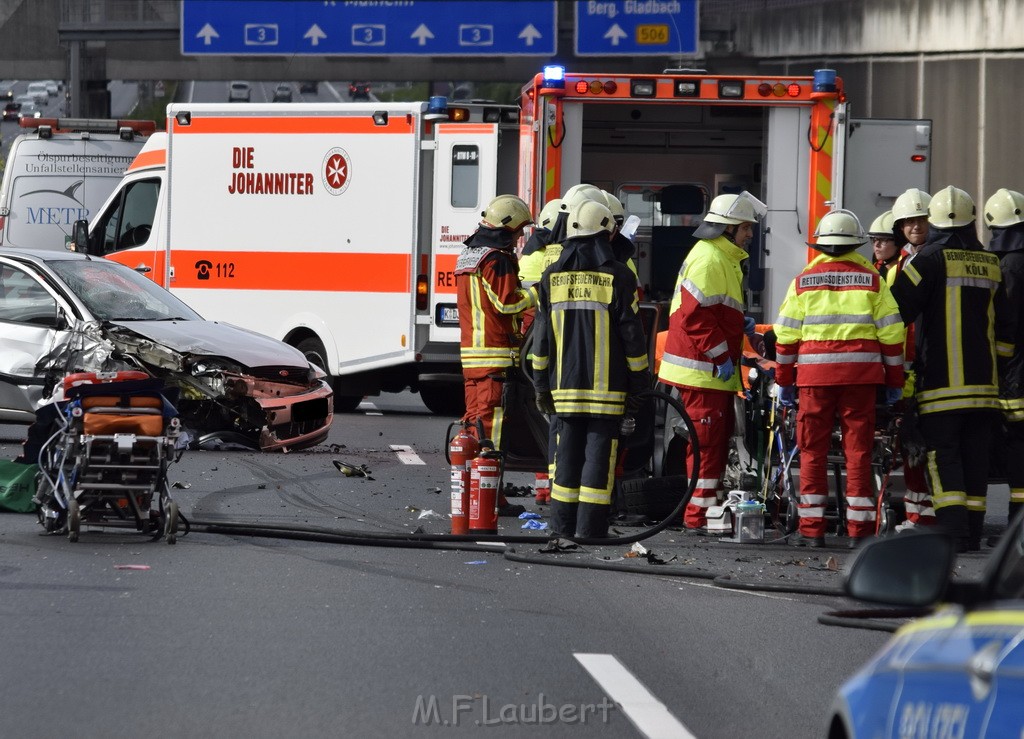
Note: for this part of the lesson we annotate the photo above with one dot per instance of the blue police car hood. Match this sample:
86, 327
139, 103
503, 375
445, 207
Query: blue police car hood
215, 339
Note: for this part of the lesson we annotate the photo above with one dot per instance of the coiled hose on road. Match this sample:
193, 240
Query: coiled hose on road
507, 542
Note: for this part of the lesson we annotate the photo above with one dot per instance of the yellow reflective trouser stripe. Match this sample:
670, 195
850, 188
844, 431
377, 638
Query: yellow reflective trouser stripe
975, 503
564, 494
956, 391
942, 498
602, 496
1017, 495
497, 421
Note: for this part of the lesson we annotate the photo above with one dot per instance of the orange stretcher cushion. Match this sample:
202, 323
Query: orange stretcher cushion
105, 424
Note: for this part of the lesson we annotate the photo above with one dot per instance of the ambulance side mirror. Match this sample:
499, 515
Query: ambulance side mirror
80, 237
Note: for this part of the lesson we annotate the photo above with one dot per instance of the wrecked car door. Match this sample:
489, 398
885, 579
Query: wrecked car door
32, 320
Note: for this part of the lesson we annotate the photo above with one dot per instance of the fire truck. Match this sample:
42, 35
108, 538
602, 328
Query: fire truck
333, 227
666, 144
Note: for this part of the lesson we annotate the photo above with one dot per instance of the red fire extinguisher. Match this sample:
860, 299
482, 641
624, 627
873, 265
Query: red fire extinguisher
484, 479
462, 450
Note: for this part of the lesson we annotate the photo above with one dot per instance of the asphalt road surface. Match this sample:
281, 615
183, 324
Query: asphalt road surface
231, 636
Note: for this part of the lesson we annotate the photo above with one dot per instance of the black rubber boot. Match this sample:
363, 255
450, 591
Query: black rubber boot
592, 521
563, 518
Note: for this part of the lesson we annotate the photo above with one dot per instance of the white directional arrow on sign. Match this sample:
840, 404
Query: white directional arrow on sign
314, 34
616, 34
207, 33
530, 34
421, 34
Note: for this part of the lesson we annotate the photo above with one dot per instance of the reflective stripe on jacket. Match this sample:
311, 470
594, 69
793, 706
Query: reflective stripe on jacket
955, 289
590, 351
490, 299
839, 324
706, 317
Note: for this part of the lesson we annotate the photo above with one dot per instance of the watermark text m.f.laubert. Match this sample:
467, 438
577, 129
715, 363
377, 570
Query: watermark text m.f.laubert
479, 710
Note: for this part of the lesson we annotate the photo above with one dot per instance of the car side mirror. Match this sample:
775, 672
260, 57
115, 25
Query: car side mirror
911, 569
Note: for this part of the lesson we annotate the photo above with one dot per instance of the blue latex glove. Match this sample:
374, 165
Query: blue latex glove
749, 326
787, 395
725, 370
893, 394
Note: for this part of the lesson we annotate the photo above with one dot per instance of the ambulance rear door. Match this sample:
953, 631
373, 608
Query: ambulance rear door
465, 175
884, 157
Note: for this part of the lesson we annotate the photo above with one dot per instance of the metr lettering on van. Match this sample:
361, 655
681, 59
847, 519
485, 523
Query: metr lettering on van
264, 183
55, 216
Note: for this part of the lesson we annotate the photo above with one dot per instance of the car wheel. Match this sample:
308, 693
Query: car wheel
444, 400
313, 349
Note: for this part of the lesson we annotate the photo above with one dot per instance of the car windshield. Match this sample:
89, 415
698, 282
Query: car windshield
112, 292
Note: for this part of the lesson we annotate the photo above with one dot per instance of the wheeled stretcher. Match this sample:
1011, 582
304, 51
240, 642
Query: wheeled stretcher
105, 464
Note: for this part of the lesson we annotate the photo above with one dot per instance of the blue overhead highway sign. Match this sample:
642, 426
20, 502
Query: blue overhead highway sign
315, 27
636, 27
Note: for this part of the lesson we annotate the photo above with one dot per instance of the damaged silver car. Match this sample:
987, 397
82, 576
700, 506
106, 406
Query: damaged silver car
62, 312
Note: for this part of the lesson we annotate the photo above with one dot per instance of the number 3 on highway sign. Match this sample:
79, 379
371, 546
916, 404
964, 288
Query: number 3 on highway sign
370, 34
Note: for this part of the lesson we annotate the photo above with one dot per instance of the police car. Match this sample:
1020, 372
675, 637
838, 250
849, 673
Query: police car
956, 673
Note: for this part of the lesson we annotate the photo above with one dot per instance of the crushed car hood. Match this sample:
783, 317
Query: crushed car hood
214, 339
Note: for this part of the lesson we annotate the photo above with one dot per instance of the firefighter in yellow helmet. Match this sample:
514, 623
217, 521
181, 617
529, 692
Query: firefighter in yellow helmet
550, 228
910, 220
883, 245
490, 300
707, 322
838, 337
889, 261
589, 362
954, 287
1004, 215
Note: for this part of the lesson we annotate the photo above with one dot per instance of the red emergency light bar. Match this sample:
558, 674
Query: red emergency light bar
94, 125
704, 88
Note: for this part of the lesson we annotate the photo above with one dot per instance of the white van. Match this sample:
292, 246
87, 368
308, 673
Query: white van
39, 91
62, 171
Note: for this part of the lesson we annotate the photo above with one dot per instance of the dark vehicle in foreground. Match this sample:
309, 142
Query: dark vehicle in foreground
12, 111
958, 672
64, 312
309, 86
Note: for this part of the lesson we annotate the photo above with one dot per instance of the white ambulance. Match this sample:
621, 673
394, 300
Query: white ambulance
667, 144
332, 227
62, 170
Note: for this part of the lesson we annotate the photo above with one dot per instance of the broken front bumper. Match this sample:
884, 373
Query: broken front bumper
295, 421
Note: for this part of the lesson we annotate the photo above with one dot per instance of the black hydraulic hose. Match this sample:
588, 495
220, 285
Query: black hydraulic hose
488, 543
864, 618
382, 538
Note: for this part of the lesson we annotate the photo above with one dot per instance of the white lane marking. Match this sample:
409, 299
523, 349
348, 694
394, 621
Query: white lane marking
769, 596
369, 409
649, 715
406, 455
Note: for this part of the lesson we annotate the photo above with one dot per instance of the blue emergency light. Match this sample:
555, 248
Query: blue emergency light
554, 76
824, 80
437, 104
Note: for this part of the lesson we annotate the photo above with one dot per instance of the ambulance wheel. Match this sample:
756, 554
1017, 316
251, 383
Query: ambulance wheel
74, 519
444, 400
171, 523
313, 350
